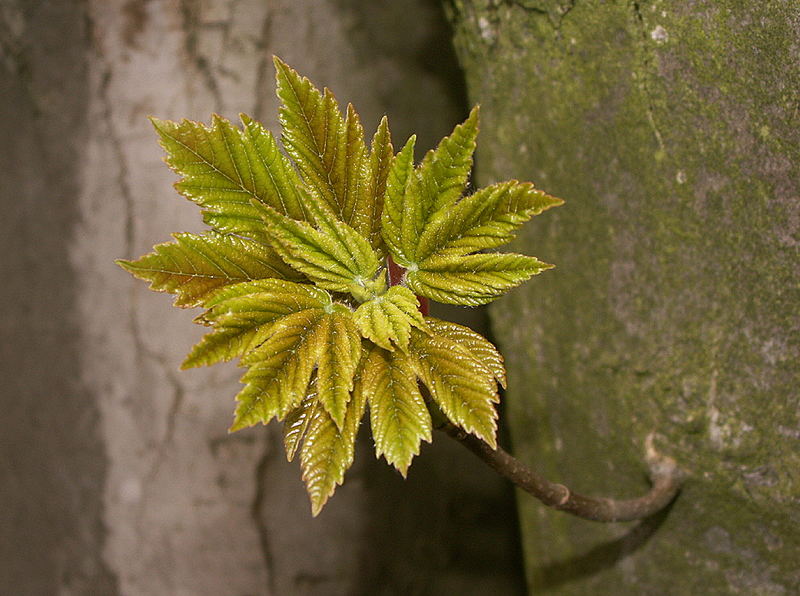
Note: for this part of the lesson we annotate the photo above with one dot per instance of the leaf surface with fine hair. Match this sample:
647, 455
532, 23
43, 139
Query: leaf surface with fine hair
224, 167
458, 383
399, 417
328, 450
388, 319
196, 265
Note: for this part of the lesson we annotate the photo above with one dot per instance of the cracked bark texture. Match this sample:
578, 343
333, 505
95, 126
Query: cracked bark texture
53, 464
119, 476
671, 130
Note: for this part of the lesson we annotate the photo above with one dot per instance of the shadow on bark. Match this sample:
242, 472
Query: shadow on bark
603, 556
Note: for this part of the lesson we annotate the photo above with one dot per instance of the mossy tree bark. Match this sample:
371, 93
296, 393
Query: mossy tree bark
671, 129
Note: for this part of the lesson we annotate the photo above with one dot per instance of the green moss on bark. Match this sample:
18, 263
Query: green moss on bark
671, 129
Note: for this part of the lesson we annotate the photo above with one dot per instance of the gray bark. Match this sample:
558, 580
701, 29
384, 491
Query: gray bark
119, 475
53, 462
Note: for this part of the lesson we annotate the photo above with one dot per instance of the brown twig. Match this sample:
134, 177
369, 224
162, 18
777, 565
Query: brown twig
665, 476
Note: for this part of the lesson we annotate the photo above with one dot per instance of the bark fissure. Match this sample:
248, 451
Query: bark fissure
117, 147
644, 72
556, 17
256, 513
264, 66
189, 9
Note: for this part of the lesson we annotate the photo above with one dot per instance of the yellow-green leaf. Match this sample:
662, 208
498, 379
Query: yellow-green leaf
477, 345
280, 369
297, 422
322, 339
461, 386
194, 266
367, 218
399, 417
337, 363
329, 150
272, 176
353, 247
400, 173
242, 317
438, 182
483, 220
328, 450
387, 319
333, 256
224, 167
471, 280
303, 293
226, 343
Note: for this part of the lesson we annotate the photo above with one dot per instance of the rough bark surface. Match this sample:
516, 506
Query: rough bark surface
53, 464
671, 129
118, 473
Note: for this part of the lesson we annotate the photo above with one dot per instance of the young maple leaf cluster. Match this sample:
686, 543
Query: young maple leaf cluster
293, 276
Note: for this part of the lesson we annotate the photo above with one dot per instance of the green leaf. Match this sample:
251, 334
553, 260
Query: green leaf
472, 279
322, 339
387, 319
272, 176
243, 315
367, 217
443, 174
460, 385
398, 414
400, 173
352, 246
194, 266
303, 293
328, 450
438, 182
328, 150
297, 422
228, 342
333, 257
486, 219
478, 346
431, 232
280, 369
223, 168
337, 363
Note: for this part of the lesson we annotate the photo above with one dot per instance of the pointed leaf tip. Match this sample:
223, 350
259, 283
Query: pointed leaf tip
278, 62
194, 266
398, 414
157, 123
328, 451
327, 147
461, 385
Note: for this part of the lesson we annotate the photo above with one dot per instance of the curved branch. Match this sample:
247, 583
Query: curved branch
665, 476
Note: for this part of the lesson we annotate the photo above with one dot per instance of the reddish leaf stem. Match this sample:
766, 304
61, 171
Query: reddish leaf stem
665, 476
396, 273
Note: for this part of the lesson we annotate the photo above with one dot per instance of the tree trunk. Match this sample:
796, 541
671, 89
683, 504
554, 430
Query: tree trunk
120, 476
671, 130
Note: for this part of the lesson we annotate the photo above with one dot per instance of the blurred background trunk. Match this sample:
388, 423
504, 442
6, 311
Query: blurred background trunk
671, 129
118, 474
